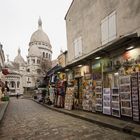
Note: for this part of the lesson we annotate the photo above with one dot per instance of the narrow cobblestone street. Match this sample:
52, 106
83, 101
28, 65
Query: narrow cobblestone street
27, 120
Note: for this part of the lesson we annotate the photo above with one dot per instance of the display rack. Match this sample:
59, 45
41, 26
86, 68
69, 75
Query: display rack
115, 103
139, 88
107, 101
69, 98
87, 95
125, 95
135, 96
98, 96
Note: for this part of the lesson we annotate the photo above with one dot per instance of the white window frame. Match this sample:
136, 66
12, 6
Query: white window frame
108, 28
78, 49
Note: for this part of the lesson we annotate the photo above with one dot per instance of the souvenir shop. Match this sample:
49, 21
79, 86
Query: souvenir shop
57, 86
110, 84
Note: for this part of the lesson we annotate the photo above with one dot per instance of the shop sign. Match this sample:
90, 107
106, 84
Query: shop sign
96, 67
77, 72
70, 75
107, 65
96, 70
87, 76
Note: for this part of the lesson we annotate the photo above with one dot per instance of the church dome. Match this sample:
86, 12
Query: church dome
39, 35
19, 59
34, 51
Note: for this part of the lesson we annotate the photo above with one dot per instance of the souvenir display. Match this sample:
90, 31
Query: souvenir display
139, 88
125, 95
87, 95
115, 103
78, 97
98, 96
69, 98
107, 101
135, 96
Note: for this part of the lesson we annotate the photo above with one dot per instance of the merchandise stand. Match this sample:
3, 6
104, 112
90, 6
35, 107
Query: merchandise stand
98, 96
135, 96
139, 89
115, 103
69, 98
125, 95
107, 101
87, 95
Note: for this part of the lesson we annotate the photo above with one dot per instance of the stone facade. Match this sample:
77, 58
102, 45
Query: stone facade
62, 59
84, 18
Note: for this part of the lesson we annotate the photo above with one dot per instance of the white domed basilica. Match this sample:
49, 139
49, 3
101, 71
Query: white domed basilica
39, 48
23, 75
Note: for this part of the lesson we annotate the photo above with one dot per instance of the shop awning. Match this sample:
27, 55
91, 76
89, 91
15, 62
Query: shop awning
120, 43
54, 70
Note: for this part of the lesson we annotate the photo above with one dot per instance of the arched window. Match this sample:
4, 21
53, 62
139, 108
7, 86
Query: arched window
38, 61
18, 84
49, 56
12, 84
43, 54
46, 55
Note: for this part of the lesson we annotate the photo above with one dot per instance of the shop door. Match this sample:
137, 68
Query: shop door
78, 93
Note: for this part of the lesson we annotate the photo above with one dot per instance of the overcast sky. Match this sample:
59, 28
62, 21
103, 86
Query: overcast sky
19, 19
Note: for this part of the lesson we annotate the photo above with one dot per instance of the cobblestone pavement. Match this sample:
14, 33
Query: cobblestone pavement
27, 120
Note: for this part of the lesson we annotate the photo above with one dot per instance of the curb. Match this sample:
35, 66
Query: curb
104, 124
3, 110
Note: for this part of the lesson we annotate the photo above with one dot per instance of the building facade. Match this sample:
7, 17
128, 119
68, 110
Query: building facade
104, 57
2, 60
93, 24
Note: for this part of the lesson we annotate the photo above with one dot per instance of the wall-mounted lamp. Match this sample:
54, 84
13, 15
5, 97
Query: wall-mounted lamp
97, 58
66, 69
129, 48
79, 66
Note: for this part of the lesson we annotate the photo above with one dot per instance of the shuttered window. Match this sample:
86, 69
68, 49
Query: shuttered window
78, 47
108, 28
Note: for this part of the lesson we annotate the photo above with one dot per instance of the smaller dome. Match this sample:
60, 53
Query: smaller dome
34, 51
19, 59
9, 64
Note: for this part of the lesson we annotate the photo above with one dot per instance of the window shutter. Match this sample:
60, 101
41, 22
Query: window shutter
80, 46
112, 26
104, 30
76, 48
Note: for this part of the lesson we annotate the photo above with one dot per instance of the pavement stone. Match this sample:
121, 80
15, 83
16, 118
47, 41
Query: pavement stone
3, 107
100, 119
27, 120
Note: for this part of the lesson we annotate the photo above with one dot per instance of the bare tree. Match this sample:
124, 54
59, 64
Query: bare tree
46, 65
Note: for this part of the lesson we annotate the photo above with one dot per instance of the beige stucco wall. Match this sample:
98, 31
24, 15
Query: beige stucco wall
84, 19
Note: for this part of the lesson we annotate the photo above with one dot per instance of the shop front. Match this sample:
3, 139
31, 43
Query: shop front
121, 85
116, 83
110, 84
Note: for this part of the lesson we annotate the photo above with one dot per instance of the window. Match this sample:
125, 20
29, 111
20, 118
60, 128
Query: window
18, 83
28, 81
38, 71
38, 61
78, 47
12, 84
33, 61
46, 55
43, 54
108, 28
49, 56
28, 70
